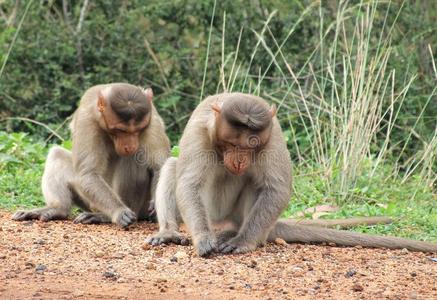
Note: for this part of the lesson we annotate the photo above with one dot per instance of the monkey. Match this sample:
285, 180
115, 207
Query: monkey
119, 146
234, 166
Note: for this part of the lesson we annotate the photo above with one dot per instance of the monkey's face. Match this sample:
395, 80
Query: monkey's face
125, 135
125, 115
239, 146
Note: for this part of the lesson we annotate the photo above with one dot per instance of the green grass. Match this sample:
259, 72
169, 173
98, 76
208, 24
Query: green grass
412, 204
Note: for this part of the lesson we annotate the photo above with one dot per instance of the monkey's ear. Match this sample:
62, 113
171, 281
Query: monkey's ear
100, 102
149, 94
273, 110
217, 107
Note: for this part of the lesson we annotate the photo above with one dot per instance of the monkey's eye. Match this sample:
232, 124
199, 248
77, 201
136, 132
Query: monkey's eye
118, 130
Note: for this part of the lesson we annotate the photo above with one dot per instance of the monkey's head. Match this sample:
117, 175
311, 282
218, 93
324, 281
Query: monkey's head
125, 114
243, 126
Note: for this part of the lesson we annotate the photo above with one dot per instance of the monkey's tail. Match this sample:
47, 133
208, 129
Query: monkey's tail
290, 232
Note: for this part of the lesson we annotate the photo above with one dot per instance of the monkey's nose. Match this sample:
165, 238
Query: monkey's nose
129, 150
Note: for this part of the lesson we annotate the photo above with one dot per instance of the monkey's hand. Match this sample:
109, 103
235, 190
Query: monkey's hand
124, 218
236, 245
206, 244
167, 236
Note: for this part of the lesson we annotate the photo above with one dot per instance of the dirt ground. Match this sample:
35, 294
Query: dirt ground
62, 260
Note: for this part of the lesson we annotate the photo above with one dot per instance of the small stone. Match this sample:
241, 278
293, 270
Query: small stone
247, 286
413, 295
40, 242
357, 287
40, 269
358, 247
332, 244
350, 273
279, 241
146, 247
109, 274
220, 272
413, 274
150, 266
29, 265
173, 259
405, 251
161, 280
252, 264
99, 254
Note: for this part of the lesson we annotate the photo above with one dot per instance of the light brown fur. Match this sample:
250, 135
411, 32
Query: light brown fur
110, 187
198, 189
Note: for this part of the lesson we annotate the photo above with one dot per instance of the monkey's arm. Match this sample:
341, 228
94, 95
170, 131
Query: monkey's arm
190, 179
89, 166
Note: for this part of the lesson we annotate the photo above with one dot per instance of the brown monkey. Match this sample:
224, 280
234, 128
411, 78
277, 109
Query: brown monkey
119, 146
234, 166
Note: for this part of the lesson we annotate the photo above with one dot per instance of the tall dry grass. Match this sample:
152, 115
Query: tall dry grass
344, 97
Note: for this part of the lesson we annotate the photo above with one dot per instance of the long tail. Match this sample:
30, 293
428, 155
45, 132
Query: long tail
290, 232
342, 223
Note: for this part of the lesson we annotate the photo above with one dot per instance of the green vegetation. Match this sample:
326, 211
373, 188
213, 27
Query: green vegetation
355, 84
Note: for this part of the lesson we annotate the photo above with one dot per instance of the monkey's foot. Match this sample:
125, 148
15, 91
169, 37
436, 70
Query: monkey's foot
167, 237
43, 214
206, 245
226, 235
236, 246
125, 218
91, 218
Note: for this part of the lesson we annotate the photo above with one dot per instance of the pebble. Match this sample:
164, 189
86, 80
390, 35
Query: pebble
357, 287
173, 259
99, 254
350, 273
40, 268
252, 264
279, 241
146, 247
109, 274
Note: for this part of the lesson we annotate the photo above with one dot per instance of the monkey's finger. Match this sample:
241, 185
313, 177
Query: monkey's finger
24, 216
18, 216
227, 248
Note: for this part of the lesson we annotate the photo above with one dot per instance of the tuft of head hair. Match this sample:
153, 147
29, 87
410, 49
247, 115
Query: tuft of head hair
129, 102
242, 110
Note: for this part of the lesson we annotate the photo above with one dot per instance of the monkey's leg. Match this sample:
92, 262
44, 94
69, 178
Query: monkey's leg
166, 208
291, 232
57, 193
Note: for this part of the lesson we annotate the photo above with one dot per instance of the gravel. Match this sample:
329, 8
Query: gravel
62, 260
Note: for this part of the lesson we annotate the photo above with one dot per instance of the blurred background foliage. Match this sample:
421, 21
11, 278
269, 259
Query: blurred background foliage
57, 53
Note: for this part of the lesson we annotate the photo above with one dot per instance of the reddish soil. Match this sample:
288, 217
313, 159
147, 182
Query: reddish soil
62, 260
